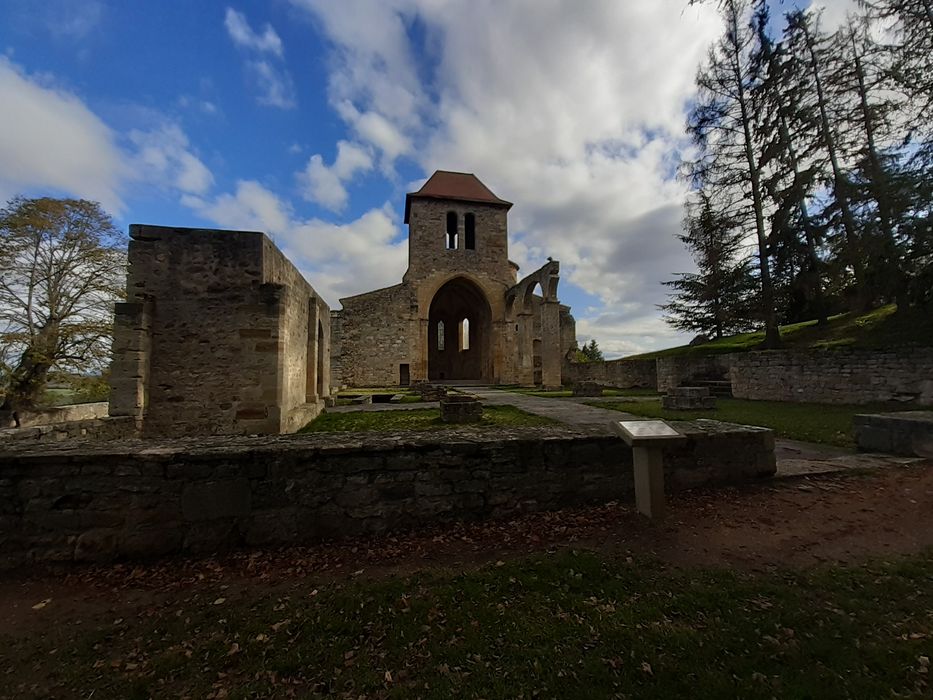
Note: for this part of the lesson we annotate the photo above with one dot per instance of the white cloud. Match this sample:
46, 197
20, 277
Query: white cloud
833, 13
574, 111
49, 139
163, 157
251, 207
325, 184
243, 35
336, 258
273, 84
266, 55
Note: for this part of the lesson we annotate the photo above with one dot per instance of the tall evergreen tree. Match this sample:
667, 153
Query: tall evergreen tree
718, 299
723, 126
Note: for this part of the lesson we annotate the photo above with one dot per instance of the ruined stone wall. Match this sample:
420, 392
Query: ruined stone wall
213, 338
834, 376
379, 331
568, 330
620, 374
137, 500
336, 350
674, 371
428, 258
96, 429
62, 414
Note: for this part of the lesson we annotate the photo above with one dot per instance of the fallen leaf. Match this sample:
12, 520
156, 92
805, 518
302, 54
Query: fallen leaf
220, 601
41, 604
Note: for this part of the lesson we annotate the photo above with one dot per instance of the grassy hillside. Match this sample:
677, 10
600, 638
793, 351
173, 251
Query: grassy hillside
881, 328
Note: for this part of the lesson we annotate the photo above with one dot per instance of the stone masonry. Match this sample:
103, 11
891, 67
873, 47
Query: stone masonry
458, 269
219, 334
134, 500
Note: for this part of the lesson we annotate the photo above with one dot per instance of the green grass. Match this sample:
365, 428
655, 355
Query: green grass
568, 625
810, 422
565, 393
417, 419
880, 328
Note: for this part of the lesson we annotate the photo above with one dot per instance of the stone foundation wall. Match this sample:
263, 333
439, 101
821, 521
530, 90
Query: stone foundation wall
146, 499
674, 371
619, 374
97, 429
63, 414
220, 334
834, 376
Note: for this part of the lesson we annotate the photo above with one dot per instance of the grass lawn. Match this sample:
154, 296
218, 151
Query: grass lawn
417, 419
880, 328
811, 422
565, 625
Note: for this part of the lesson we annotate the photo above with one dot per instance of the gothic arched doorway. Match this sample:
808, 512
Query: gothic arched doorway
459, 333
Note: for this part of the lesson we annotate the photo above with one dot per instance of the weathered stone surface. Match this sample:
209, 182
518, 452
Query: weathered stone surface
688, 398
618, 374
150, 498
220, 334
518, 331
461, 409
587, 389
908, 433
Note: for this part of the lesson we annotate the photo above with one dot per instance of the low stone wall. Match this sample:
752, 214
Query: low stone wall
618, 374
143, 499
103, 429
909, 433
63, 414
675, 371
834, 376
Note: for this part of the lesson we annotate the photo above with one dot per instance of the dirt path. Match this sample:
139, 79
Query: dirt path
802, 522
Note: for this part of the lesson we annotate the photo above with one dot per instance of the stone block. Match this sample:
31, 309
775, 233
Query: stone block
587, 389
96, 545
461, 409
216, 499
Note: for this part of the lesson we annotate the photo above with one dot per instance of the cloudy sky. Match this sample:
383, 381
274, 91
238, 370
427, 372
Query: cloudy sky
311, 119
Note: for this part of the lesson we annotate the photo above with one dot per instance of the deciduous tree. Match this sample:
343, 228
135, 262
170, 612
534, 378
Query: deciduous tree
62, 265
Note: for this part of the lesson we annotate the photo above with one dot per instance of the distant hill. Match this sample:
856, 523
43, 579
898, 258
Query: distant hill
878, 329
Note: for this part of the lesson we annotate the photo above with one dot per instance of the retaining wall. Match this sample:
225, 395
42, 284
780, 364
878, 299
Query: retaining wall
144, 499
619, 374
834, 376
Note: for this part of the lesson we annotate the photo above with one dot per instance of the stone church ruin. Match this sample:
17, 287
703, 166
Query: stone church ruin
220, 333
460, 314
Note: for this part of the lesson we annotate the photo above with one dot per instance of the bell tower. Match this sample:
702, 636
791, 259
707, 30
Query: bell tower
456, 224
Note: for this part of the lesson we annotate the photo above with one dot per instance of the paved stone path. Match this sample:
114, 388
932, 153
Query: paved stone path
794, 458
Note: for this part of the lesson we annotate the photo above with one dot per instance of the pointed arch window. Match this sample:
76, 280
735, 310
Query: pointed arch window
451, 230
440, 336
464, 334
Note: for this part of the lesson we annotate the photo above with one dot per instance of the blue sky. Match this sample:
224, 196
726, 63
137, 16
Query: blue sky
310, 119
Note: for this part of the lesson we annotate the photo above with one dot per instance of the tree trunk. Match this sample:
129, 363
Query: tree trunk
772, 332
840, 184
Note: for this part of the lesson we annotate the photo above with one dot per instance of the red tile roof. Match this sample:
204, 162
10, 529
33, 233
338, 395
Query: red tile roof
463, 187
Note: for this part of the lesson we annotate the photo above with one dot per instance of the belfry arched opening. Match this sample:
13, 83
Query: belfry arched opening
459, 333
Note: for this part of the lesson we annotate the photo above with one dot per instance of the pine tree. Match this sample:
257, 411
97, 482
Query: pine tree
723, 126
717, 300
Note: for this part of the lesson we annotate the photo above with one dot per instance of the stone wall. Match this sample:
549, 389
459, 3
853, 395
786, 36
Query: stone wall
219, 334
145, 499
63, 414
620, 374
98, 429
834, 376
674, 371
379, 331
